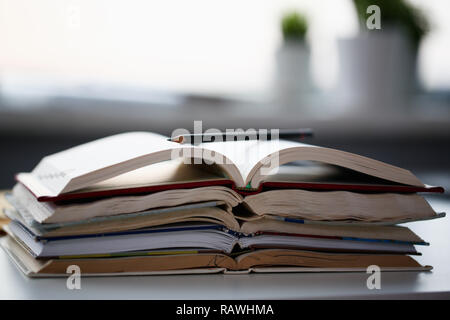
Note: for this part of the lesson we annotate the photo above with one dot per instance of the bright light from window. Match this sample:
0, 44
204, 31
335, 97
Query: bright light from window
197, 45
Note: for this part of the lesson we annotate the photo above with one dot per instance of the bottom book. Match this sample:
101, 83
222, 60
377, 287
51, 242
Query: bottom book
261, 261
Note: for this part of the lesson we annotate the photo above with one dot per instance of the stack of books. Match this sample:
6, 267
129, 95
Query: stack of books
136, 203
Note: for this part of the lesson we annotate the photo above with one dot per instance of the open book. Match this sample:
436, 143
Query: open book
143, 162
323, 206
211, 213
267, 260
209, 237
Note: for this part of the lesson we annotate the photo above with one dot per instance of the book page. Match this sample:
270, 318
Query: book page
57, 170
301, 258
157, 174
266, 156
246, 155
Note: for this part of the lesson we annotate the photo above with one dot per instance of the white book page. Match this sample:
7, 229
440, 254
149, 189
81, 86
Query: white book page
57, 170
247, 156
256, 160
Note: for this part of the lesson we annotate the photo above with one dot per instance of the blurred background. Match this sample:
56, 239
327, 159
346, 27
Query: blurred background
75, 70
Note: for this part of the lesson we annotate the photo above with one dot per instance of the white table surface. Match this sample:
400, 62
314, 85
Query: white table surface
429, 285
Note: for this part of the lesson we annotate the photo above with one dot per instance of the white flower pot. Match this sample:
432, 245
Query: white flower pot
292, 79
377, 72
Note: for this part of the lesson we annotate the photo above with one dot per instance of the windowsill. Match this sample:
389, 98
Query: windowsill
86, 117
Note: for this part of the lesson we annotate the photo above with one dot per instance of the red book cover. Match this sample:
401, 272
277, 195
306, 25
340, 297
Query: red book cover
314, 186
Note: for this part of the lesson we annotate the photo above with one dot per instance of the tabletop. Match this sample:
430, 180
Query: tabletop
425, 285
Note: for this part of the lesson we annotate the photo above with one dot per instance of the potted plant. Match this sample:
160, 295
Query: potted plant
292, 81
378, 67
